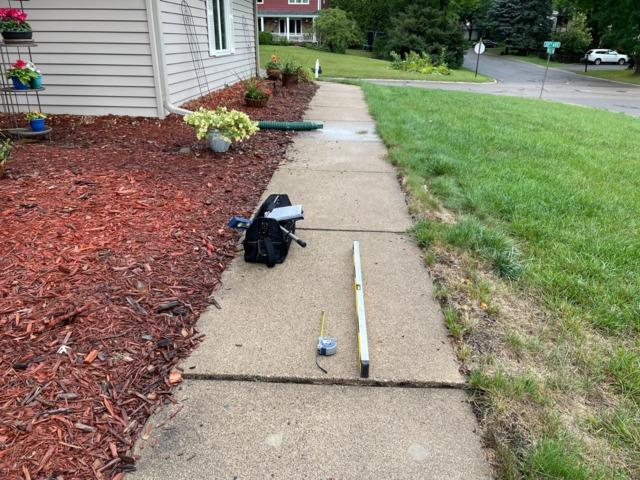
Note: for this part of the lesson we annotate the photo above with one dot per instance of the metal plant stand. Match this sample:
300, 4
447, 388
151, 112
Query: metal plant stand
15, 103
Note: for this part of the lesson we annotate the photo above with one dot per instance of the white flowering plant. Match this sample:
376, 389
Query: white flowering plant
232, 125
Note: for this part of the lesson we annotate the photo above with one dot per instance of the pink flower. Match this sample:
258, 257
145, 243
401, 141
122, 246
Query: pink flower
19, 64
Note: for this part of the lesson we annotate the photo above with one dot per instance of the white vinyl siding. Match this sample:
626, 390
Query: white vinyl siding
95, 56
220, 70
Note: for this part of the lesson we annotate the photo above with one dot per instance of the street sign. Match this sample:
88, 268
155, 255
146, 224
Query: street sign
550, 44
551, 50
479, 48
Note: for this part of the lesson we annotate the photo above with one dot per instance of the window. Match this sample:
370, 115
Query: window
220, 24
295, 26
295, 2
259, 2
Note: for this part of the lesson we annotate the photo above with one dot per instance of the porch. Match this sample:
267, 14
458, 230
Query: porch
296, 29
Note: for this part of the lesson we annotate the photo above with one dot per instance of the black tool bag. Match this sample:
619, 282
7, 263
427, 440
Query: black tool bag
265, 242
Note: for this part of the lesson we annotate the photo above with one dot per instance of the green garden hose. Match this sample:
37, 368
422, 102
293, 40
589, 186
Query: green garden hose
302, 126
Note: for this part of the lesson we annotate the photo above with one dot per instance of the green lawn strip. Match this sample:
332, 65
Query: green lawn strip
536, 60
626, 76
357, 64
547, 194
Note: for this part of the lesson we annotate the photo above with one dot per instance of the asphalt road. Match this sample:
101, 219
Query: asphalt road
521, 79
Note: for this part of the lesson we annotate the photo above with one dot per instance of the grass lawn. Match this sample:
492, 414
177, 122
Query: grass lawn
356, 64
627, 76
546, 215
529, 59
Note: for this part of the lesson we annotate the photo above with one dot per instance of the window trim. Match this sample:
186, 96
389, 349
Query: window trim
211, 29
298, 2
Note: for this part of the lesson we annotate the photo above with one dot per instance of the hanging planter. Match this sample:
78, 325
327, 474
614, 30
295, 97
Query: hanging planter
273, 68
14, 27
256, 96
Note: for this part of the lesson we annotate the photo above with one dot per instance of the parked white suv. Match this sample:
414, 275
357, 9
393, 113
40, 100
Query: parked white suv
599, 56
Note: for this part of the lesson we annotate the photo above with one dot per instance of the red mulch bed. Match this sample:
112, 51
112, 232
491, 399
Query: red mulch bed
112, 242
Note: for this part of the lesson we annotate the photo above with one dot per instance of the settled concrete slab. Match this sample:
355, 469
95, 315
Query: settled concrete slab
340, 113
241, 430
270, 318
333, 156
347, 131
345, 200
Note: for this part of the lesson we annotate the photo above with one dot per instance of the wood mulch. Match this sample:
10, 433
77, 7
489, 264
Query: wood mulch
113, 237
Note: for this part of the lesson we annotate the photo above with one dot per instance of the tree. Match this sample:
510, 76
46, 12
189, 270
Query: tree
577, 38
336, 30
472, 13
521, 24
428, 26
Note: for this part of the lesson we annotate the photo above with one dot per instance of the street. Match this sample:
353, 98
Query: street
521, 79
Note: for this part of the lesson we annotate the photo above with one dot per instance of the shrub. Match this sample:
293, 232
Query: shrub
336, 30
419, 63
265, 38
423, 27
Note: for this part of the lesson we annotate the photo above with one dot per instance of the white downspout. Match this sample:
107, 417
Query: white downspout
159, 60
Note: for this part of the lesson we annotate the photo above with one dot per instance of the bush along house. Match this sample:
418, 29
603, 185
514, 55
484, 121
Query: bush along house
290, 20
136, 57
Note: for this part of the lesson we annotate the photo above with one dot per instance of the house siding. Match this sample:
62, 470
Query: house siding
95, 56
220, 70
285, 6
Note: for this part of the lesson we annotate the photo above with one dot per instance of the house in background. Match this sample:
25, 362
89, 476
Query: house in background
136, 57
290, 19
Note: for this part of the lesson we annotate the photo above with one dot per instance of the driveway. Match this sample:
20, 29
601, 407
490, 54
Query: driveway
521, 79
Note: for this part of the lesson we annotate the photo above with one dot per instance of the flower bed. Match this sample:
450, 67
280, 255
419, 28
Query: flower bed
112, 242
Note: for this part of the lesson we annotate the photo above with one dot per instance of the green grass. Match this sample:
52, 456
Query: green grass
356, 64
560, 180
535, 59
626, 76
545, 195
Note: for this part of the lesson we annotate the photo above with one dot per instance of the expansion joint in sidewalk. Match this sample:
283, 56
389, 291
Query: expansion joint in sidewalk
350, 382
351, 230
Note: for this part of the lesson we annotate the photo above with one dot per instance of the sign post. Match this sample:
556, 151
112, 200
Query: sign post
479, 48
551, 49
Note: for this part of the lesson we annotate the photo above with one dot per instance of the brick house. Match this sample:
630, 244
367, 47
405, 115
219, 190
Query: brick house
290, 19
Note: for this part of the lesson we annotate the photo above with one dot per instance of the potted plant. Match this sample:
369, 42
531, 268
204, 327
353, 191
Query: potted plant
273, 68
36, 121
21, 75
255, 96
36, 82
221, 127
5, 151
290, 74
14, 26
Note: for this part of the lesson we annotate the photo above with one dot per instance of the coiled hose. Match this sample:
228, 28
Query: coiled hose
299, 126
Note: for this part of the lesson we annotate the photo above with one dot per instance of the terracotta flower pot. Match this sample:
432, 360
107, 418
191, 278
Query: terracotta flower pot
289, 80
256, 102
273, 74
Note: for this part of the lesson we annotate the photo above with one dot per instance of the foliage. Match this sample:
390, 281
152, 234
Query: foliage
254, 91
13, 20
274, 63
305, 74
233, 126
577, 38
370, 15
35, 116
472, 13
23, 71
265, 38
420, 63
356, 64
290, 67
426, 27
336, 30
6, 146
523, 25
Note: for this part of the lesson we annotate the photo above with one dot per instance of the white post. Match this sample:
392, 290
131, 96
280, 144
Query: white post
287, 29
317, 68
313, 24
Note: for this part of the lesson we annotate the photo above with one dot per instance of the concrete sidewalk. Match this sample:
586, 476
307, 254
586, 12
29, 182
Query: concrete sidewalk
255, 405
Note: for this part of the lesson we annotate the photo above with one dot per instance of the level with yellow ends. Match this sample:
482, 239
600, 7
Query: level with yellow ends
363, 342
